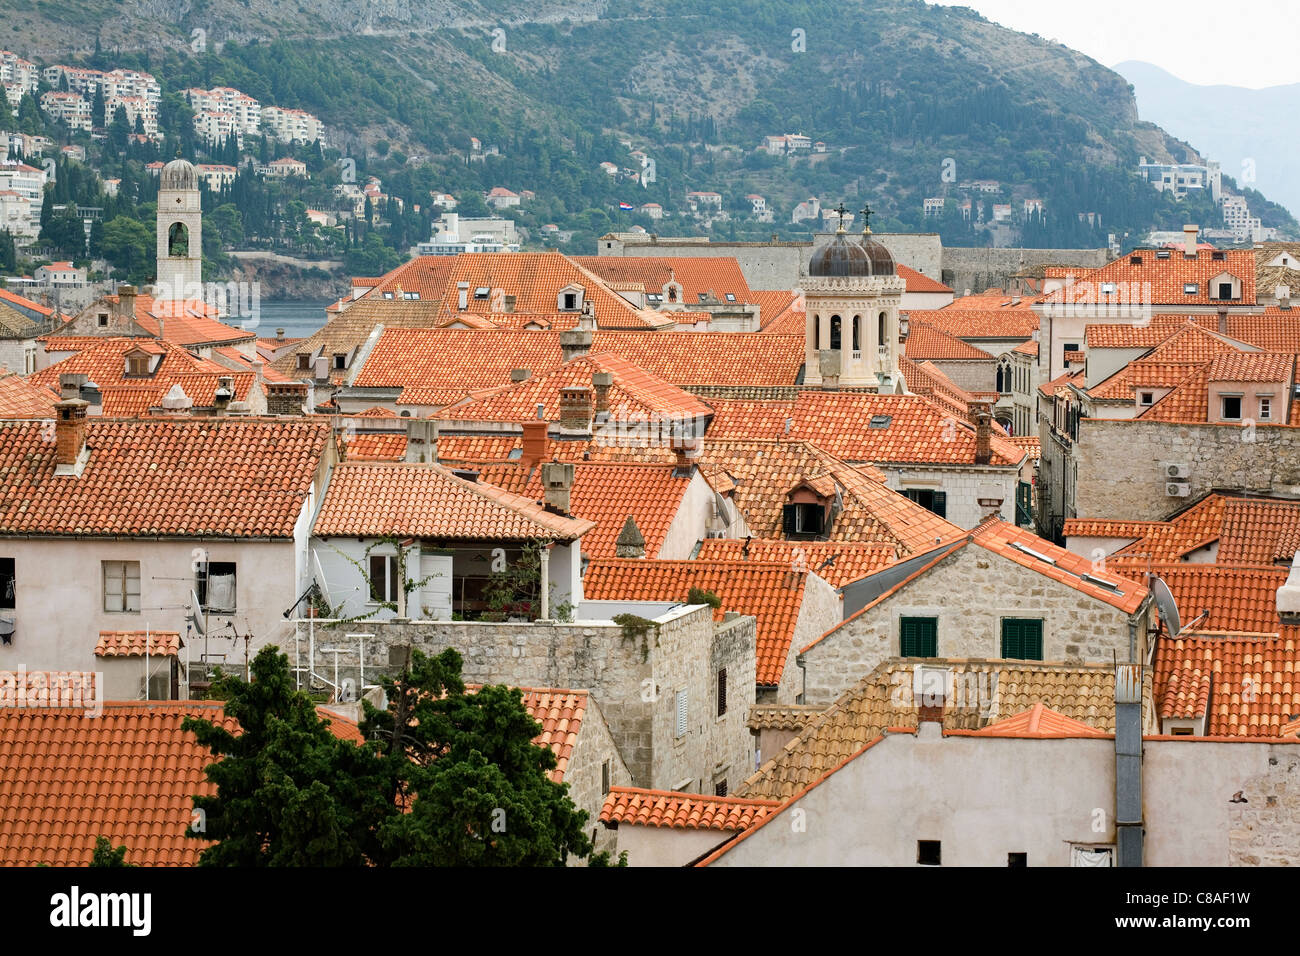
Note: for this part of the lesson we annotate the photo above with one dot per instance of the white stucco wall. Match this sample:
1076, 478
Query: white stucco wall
666, 846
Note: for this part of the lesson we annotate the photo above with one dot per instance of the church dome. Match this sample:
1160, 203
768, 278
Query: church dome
882, 263
840, 257
178, 174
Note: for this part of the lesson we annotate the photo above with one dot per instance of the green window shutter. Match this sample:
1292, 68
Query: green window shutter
1022, 639
941, 504
918, 637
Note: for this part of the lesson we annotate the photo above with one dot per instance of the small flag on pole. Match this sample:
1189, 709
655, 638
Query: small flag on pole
626, 206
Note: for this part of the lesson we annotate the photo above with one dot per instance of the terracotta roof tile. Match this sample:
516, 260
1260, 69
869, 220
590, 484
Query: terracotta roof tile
215, 477
782, 716
982, 323
1248, 531
1167, 277
136, 643
20, 398
1215, 597
837, 562
771, 592
128, 774
607, 493
686, 811
919, 282
716, 275
1251, 685
378, 499
925, 341
1040, 722
561, 713
917, 430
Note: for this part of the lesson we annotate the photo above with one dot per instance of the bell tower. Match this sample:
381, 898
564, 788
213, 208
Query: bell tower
852, 296
180, 234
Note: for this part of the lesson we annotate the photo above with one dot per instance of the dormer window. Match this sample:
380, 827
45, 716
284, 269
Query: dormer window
570, 299
731, 297
340, 361
1162, 254
304, 362
388, 295
1225, 290
1147, 398
803, 519
137, 366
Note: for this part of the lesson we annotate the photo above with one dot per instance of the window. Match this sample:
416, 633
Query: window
570, 301
1180, 731
482, 292
304, 361
1070, 347
102, 319
1191, 288
1022, 638
680, 729
216, 586
918, 637
928, 852
1265, 407
720, 788
1108, 288
731, 297
722, 692
1017, 859
1092, 856
7, 596
1231, 407
137, 366
930, 500
805, 519
1148, 398
340, 361
881, 333
835, 332
604, 778
1225, 290
121, 586
383, 577
704, 296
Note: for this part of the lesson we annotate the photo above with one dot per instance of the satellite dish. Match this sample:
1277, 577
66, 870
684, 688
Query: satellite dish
1167, 606
195, 617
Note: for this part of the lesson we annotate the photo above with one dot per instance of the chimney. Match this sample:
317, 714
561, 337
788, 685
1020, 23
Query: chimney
70, 385
1283, 293
176, 402
279, 335
574, 343
1128, 764
982, 416
509, 303
575, 411
535, 442
70, 452
1189, 240
1223, 321
462, 295
224, 393
557, 485
520, 375
286, 398
630, 543
600, 383
126, 304
421, 440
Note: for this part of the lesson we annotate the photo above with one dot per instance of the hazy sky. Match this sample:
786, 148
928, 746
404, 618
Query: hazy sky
1201, 41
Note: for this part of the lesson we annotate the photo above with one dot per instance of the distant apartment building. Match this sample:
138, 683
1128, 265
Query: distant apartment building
932, 206
1181, 178
21, 73
215, 175
16, 215
758, 207
281, 168
652, 210
28, 183
454, 234
501, 198
1032, 207
810, 208
289, 125
60, 273
70, 109
244, 113
1239, 222
1001, 212
789, 143
216, 126
138, 110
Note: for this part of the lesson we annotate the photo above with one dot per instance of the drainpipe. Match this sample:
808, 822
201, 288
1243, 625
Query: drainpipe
1128, 764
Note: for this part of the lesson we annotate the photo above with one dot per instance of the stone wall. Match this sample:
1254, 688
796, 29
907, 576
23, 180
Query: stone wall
595, 746
635, 694
962, 486
1121, 465
980, 269
970, 591
1265, 825
820, 611
972, 375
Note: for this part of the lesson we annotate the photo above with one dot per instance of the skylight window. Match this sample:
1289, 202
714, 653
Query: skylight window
481, 292
1108, 288
1162, 254
1191, 288
880, 421
1107, 585
731, 297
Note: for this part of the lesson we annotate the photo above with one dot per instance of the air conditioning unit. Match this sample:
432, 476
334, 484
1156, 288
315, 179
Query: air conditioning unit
1175, 471
1177, 489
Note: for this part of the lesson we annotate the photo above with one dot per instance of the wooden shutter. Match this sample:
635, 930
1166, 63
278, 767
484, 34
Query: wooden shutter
790, 519
919, 637
1022, 639
681, 713
722, 692
941, 504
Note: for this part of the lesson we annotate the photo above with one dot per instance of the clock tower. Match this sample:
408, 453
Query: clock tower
180, 234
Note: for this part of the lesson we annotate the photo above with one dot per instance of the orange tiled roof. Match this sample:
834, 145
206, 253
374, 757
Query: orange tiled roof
918, 430
129, 774
632, 806
634, 394
1249, 531
1168, 276
1252, 367
377, 446
1215, 597
560, 712
1251, 685
136, 643
771, 592
981, 323
777, 312
765, 471
1030, 443
710, 275
1040, 722
925, 341
460, 361
926, 378
918, 281
378, 499
607, 494
189, 323
20, 398
220, 478
837, 562
1189, 400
